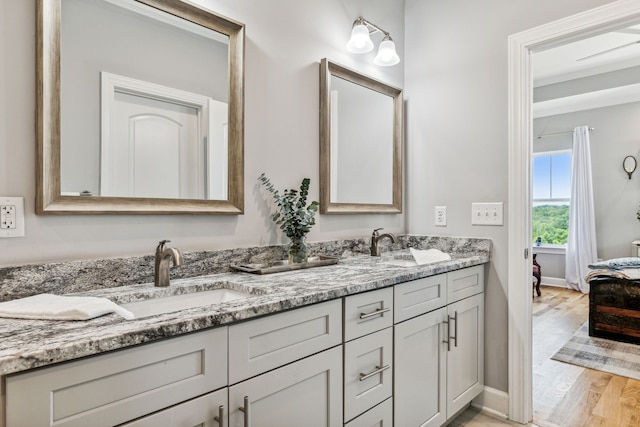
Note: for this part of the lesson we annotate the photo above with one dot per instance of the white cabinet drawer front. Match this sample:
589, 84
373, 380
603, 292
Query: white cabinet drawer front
263, 344
306, 393
368, 372
198, 412
420, 296
465, 283
120, 386
379, 416
367, 312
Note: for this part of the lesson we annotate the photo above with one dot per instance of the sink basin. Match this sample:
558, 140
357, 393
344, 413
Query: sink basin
168, 304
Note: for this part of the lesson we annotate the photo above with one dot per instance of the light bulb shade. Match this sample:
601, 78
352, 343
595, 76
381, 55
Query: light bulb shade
387, 55
360, 42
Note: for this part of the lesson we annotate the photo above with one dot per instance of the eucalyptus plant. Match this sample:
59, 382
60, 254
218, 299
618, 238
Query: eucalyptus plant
294, 217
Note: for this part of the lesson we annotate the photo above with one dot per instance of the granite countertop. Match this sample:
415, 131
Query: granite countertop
26, 344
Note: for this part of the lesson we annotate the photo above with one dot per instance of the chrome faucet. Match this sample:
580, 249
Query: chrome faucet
375, 240
163, 256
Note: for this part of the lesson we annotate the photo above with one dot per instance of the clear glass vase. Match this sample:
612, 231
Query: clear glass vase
298, 250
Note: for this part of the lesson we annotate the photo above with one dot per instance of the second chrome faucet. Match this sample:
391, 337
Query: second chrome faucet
164, 255
376, 238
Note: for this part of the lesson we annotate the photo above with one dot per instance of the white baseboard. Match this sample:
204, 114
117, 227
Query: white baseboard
553, 281
493, 402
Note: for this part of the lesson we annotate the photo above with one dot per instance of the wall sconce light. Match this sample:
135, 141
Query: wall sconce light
360, 42
629, 165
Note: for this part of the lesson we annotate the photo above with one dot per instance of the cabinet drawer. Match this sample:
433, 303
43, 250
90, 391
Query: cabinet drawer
198, 412
263, 344
368, 372
464, 283
367, 312
379, 416
116, 387
420, 296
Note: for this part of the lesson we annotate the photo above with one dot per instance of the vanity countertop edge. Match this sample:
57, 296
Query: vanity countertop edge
28, 344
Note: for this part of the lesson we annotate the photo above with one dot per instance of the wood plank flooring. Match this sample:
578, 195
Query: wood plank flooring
567, 395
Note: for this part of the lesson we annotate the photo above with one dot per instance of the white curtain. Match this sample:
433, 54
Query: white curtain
581, 247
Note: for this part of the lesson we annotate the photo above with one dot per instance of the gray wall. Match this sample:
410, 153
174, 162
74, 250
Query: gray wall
285, 40
456, 89
552, 265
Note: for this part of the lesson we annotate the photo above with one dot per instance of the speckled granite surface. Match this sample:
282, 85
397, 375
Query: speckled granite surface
26, 344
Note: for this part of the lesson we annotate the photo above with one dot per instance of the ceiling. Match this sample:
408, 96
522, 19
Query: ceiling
602, 53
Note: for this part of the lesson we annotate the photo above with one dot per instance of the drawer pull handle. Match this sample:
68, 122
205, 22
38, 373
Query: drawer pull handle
448, 340
374, 372
455, 330
220, 417
374, 313
245, 409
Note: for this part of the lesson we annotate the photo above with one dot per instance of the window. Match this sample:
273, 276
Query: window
551, 197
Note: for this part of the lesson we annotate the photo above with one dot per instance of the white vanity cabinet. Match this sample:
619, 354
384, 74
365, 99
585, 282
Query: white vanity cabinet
439, 355
183, 381
117, 387
368, 353
267, 389
407, 355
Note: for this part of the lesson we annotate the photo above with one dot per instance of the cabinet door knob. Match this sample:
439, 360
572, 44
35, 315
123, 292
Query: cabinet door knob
379, 312
245, 409
374, 372
220, 417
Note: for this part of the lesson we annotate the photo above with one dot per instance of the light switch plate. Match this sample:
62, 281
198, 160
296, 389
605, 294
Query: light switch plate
11, 217
487, 213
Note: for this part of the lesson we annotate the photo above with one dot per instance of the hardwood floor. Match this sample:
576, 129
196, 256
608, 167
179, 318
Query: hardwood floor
567, 395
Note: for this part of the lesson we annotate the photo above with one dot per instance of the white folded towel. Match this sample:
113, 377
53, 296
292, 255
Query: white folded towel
429, 256
58, 307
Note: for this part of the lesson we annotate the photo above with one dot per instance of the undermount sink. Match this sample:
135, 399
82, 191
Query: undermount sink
168, 304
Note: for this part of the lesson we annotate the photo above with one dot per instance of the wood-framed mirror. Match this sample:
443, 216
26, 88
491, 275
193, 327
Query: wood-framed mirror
361, 138
140, 108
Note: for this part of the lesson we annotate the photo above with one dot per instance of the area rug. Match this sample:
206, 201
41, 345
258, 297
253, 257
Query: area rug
601, 354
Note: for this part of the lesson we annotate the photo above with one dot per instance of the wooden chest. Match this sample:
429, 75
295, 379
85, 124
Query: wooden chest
614, 309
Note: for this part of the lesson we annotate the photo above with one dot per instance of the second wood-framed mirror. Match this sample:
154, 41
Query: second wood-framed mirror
361, 139
140, 108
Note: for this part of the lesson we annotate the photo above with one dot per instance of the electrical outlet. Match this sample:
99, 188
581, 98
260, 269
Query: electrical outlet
11, 217
487, 213
8, 217
441, 216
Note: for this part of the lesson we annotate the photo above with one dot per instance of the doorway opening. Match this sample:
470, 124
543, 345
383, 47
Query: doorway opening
614, 16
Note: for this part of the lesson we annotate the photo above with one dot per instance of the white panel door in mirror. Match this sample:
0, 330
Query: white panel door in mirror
159, 142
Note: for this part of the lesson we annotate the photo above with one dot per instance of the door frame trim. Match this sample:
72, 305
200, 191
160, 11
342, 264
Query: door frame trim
602, 19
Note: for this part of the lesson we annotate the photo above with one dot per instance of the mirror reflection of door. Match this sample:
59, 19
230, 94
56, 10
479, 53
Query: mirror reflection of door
160, 142
155, 150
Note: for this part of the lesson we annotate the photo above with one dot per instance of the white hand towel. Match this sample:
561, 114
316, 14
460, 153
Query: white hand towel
58, 307
429, 256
